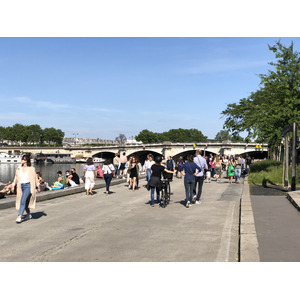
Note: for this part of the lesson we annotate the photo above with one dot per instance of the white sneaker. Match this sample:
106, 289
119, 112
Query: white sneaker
28, 217
198, 202
188, 204
18, 220
194, 198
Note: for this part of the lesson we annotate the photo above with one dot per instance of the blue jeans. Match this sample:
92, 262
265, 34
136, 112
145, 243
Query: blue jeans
23, 202
116, 170
148, 174
189, 185
152, 195
238, 173
108, 178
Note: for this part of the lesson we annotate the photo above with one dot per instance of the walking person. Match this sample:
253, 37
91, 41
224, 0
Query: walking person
155, 180
133, 169
238, 169
149, 165
109, 173
189, 170
27, 182
170, 165
217, 164
200, 161
122, 163
231, 171
90, 175
116, 162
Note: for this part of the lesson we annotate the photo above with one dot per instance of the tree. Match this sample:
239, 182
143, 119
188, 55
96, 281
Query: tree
2, 133
34, 133
265, 112
173, 135
53, 135
121, 138
147, 137
223, 135
18, 133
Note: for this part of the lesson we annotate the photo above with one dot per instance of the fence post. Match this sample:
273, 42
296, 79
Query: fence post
293, 185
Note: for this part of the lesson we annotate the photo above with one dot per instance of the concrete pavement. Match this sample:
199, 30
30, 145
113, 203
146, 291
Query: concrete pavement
123, 227
270, 225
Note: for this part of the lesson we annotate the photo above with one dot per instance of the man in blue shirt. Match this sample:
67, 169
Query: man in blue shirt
200, 162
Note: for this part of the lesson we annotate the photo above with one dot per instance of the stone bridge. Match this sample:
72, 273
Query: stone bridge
173, 149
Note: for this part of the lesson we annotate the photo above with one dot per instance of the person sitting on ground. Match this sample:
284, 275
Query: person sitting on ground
99, 172
69, 179
75, 176
43, 184
57, 186
6, 190
60, 183
61, 178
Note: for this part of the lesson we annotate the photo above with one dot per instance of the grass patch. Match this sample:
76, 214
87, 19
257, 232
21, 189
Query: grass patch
269, 172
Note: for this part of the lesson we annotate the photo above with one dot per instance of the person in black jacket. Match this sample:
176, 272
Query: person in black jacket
75, 176
155, 180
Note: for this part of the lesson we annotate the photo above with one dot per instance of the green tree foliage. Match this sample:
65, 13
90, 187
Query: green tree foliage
2, 133
53, 135
223, 135
32, 134
147, 137
173, 135
277, 103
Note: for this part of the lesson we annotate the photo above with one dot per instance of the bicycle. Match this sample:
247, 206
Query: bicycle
165, 193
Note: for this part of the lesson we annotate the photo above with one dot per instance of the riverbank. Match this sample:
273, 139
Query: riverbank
9, 201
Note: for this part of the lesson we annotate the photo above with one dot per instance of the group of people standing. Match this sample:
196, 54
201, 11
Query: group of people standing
194, 170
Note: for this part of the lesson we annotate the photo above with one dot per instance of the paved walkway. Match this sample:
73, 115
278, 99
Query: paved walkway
124, 227
277, 224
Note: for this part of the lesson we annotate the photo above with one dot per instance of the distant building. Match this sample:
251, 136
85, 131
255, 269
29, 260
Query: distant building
133, 141
82, 141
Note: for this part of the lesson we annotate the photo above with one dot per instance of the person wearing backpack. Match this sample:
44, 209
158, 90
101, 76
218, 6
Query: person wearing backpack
170, 165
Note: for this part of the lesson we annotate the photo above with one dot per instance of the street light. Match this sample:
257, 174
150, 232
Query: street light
75, 137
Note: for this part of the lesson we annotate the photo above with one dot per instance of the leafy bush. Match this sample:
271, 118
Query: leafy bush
270, 172
264, 165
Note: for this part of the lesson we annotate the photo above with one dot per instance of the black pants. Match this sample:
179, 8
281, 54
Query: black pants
108, 178
199, 183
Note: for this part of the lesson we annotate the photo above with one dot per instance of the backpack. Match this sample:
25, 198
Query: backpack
170, 165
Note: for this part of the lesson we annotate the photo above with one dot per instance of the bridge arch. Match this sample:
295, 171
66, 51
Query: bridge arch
142, 154
104, 154
255, 154
185, 153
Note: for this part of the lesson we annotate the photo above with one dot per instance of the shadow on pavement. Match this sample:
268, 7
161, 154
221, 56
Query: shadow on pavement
267, 190
38, 215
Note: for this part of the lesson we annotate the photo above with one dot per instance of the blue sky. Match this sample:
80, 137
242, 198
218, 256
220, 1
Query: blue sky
100, 87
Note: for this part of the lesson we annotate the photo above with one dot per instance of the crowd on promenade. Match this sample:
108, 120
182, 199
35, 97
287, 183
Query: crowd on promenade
195, 169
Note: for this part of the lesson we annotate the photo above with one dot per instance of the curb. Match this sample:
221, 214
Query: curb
248, 236
48, 195
294, 198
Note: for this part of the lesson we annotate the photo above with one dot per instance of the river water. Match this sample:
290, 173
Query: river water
49, 171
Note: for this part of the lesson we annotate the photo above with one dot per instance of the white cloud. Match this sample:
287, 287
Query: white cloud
44, 104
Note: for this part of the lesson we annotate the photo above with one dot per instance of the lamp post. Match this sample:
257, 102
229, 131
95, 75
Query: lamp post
75, 137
